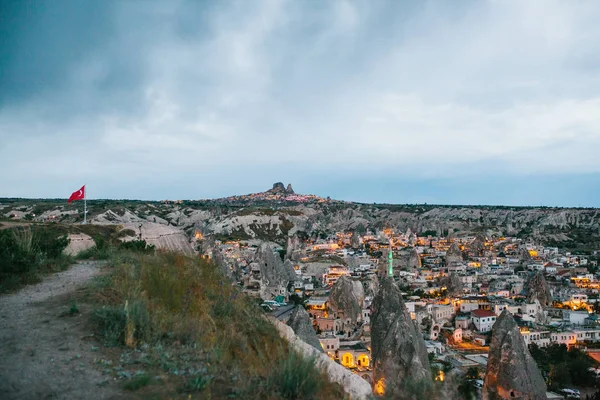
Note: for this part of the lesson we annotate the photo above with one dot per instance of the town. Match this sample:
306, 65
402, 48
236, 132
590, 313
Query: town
454, 287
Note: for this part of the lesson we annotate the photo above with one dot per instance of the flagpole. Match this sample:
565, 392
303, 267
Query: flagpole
84, 206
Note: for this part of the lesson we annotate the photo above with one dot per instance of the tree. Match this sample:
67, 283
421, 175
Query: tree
559, 376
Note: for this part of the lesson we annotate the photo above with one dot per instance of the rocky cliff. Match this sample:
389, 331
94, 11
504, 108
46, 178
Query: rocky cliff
511, 371
300, 322
347, 297
400, 361
537, 288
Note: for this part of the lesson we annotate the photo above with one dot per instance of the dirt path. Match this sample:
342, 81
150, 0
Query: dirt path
45, 351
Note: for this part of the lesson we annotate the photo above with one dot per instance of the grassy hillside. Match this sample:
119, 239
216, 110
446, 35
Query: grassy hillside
184, 330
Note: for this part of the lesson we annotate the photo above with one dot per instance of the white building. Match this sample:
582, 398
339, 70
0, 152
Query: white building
541, 338
483, 320
575, 317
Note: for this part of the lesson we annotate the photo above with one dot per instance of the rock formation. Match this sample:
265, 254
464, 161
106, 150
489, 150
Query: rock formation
273, 271
454, 255
400, 360
355, 240
278, 188
294, 246
477, 246
511, 371
453, 285
541, 315
537, 288
300, 322
414, 259
371, 286
347, 297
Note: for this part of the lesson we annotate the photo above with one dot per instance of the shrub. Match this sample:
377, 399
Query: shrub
139, 246
295, 377
111, 322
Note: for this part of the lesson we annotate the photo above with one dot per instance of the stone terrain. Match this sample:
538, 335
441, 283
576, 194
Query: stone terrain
511, 371
454, 255
299, 321
346, 298
274, 273
537, 288
399, 355
453, 285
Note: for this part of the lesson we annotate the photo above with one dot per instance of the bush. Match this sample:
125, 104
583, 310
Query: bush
139, 246
295, 377
111, 323
26, 251
123, 325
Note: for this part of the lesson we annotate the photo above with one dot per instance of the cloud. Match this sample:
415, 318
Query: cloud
434, 89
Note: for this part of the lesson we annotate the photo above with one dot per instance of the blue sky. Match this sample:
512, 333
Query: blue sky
452, 102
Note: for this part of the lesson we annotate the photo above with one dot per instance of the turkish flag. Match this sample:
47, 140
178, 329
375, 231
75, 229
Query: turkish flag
77, 195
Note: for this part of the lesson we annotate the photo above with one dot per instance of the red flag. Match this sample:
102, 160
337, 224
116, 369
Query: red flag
78, 195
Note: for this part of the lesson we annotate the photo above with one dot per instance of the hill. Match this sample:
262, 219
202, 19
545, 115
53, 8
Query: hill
277, 213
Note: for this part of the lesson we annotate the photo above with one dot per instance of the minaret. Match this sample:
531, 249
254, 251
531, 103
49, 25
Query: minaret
390, 261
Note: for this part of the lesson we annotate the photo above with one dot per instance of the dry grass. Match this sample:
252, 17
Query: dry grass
184, 306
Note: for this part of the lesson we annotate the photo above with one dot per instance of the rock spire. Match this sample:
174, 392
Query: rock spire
537, 288
511, 371
300, 322
400, 361
347, 297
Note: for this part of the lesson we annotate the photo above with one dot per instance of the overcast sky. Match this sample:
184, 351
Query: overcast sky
454, 102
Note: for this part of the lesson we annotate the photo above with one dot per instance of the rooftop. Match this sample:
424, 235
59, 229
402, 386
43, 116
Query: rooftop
482, 313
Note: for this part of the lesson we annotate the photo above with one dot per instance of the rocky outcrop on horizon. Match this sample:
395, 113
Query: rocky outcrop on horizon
511, 371
299, 321
400, 359
553, 226
537, 288
347, 297
278, 188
